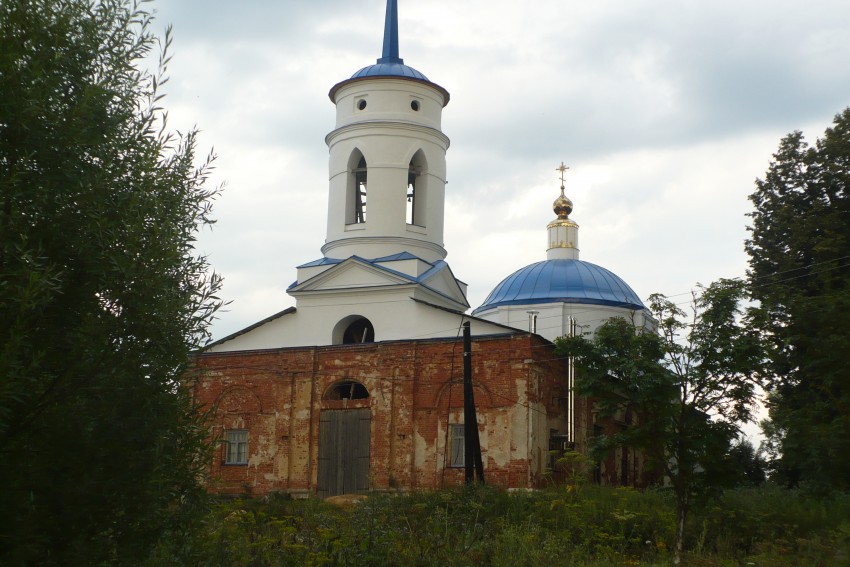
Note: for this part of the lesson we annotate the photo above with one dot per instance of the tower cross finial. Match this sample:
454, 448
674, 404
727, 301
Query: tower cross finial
390, 51
563, 169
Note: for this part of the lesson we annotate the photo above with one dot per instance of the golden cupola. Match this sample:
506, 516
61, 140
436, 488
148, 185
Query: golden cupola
563, 231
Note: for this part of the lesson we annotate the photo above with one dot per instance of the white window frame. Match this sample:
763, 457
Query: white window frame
236, 447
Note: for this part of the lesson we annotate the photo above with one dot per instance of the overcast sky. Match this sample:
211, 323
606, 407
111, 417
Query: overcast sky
665, 111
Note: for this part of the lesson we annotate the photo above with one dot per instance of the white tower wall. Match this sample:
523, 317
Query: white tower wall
393, 124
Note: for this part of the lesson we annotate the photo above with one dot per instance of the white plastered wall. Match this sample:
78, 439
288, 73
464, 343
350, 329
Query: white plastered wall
390, 312
553, 319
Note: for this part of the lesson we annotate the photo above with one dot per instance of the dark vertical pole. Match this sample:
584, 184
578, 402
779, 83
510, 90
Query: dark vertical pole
471, 444
469, 423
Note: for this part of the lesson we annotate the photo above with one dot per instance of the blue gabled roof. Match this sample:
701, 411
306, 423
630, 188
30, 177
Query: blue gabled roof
375, 263
384, 259
562, 281
399, 256
435, 267
320, 262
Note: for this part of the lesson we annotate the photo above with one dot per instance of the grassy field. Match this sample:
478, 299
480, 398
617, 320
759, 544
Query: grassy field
486, 526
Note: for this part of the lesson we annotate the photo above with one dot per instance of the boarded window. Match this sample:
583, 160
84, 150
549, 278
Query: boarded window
456, 445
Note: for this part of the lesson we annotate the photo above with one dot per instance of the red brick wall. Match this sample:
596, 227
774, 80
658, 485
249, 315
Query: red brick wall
415, 390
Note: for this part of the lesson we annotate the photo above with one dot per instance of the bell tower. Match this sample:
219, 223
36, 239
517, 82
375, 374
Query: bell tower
382, 275
383, 256
387, 163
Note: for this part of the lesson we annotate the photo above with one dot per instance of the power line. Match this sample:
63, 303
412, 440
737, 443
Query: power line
806, 267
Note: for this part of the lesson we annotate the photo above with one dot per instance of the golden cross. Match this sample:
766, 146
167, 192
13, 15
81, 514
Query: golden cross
563, 169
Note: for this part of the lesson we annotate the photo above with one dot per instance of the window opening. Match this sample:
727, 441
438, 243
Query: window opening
412, 174
417, 189
414, 104
360, 192
559, 445
361, 104
456, 445
236, 452
348, 390
359, 331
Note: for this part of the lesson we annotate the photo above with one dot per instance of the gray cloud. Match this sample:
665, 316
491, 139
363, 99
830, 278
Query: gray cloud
666, 111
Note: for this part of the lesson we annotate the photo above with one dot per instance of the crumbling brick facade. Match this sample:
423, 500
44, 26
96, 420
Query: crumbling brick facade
413, 393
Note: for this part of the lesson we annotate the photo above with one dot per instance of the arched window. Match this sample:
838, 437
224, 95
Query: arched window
360, 191
416, 190
347, 390
355, 206
353, 329
359, 331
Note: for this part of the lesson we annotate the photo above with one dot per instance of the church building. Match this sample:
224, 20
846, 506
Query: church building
359, 386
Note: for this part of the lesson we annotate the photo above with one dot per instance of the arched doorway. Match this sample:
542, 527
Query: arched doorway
344, 440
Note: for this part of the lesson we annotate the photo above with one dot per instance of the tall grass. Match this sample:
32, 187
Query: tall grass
487, 526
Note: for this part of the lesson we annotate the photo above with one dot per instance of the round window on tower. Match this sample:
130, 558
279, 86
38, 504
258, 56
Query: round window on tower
361, 104
414, 105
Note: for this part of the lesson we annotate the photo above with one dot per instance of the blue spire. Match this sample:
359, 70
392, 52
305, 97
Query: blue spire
390, 53
390, 64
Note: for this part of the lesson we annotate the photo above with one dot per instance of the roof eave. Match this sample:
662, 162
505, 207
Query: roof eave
435, 86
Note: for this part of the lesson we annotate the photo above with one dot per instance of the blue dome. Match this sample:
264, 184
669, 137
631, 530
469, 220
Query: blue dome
389, 70
567, 281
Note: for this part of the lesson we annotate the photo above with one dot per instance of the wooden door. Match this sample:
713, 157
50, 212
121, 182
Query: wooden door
343, 452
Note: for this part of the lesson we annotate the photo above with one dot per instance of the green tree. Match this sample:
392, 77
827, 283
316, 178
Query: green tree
102, 296
691, 385
800, 274
748, 467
